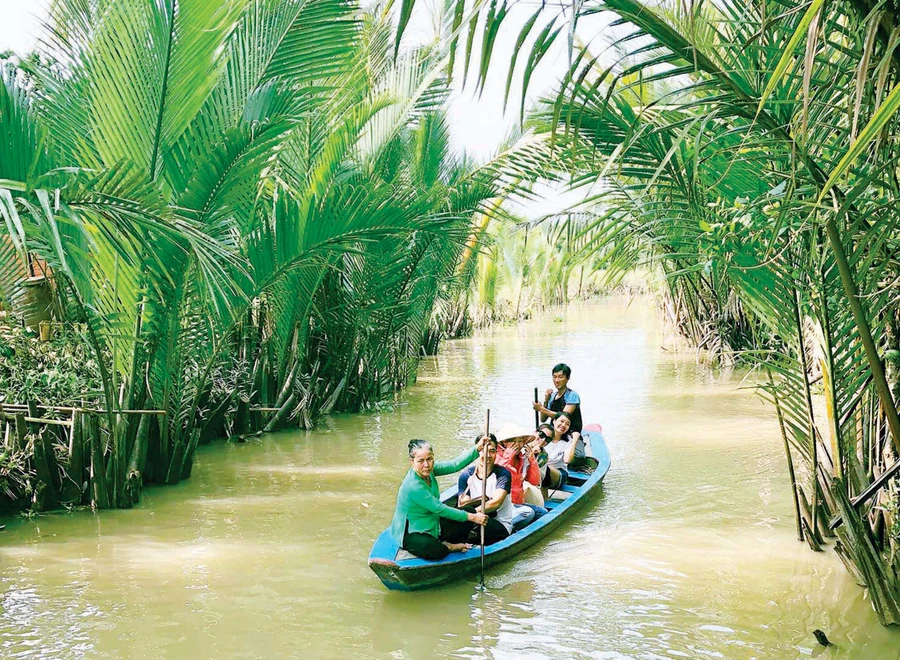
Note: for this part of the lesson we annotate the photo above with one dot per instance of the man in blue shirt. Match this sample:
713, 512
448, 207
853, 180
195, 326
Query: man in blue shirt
562, 399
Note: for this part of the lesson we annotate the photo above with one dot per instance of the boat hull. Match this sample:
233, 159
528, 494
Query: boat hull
409, 574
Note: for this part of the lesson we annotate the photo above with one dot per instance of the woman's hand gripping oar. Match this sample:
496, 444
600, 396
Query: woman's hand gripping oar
487, 434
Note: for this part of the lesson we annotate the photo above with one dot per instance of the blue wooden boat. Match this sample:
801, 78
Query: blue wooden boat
401, 571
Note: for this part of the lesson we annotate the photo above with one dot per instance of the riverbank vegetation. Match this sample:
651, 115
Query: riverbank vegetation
524, 267
248, 211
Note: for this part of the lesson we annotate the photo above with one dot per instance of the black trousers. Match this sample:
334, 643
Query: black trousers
428, 547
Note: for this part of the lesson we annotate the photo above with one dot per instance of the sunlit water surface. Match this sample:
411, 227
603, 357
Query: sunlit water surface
690, 552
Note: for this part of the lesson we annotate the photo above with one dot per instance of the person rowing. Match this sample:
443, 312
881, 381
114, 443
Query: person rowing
560, 400
417, 524
496, 503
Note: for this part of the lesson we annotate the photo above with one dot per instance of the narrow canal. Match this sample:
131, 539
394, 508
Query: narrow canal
690, 551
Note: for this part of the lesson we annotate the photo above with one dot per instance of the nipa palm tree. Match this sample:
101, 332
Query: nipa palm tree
211, 185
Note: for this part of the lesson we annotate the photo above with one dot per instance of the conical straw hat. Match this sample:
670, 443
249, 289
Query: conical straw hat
509, 431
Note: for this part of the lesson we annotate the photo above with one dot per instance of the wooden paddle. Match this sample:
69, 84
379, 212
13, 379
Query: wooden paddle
487, 430
537, 415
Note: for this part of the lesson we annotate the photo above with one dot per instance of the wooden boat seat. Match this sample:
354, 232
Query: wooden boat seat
558, 497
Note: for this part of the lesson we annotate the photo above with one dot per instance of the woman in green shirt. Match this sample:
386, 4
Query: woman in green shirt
416, 526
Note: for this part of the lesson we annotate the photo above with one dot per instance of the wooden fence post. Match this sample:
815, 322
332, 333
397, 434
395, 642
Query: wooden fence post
76, 459
99, 491
44, 491
19, 440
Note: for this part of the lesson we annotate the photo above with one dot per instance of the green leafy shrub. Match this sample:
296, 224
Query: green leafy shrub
53, 372
15, 476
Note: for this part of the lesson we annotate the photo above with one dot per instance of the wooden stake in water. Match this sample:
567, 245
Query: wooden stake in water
487, 430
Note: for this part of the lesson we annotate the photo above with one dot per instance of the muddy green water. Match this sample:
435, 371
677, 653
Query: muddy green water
689, 552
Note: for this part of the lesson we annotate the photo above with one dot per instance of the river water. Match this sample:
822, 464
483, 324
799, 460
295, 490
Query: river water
689, 552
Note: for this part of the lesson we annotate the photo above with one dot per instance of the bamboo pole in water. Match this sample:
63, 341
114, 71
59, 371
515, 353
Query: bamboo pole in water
487, 430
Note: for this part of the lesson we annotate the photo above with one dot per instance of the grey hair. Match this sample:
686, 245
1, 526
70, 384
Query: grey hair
417, 444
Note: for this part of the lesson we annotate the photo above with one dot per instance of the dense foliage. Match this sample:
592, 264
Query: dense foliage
250, 206
60, 371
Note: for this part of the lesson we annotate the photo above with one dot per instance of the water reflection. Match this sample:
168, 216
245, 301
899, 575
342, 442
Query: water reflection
688, 551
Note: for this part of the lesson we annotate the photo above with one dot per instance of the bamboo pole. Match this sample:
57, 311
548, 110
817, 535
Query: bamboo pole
487, 430
49, 422
71, 409
22, 406
38, 420
160, 413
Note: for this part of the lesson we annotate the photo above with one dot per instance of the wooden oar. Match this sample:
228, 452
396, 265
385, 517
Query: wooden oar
487, 430
537, 415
